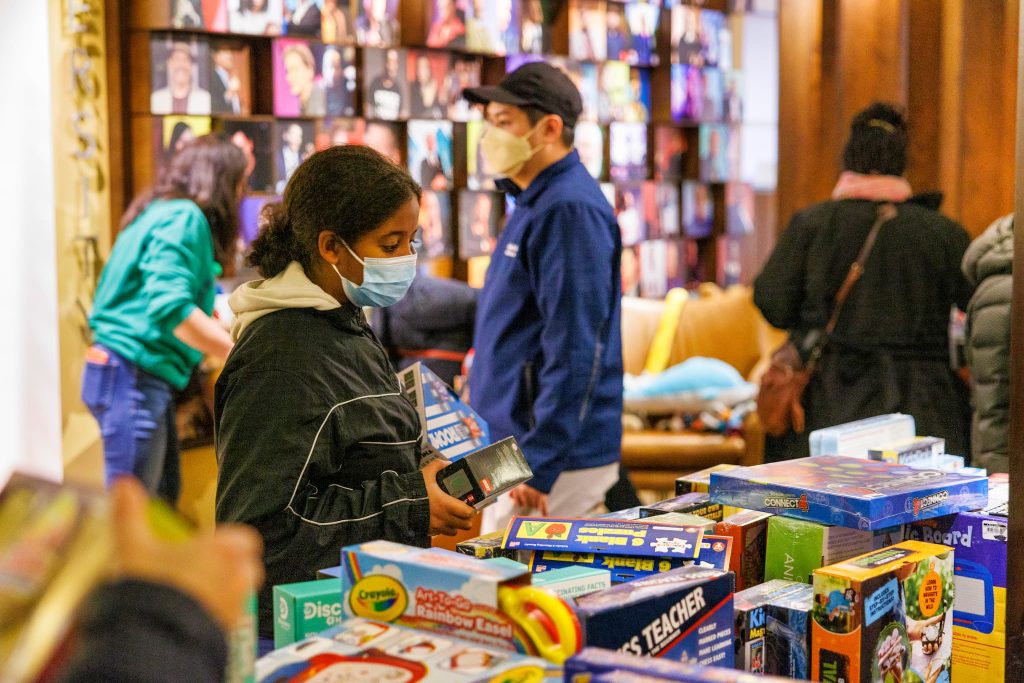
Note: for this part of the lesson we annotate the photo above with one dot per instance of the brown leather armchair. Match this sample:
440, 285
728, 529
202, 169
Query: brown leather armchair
719, 324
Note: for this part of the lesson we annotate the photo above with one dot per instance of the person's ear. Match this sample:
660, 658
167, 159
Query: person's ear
551, 129
329, 246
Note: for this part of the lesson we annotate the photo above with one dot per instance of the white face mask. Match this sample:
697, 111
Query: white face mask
505, 154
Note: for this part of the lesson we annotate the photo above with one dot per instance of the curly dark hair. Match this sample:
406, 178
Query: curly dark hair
878, 141
350, 190
208, 171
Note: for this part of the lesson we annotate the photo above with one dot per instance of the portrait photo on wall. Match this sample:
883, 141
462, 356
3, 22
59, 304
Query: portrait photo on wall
712, 29
430, 154
618, 40
687, 48
638, 96
653, 271
426, 72
447, 24
435, 225
295, 143
249, 215
698, 210
464, 73
230, 78
730, 261
187, 14
386, 87
642, 19
588, 37
739, 209
477, 177
714, 95
649, 204
627, 149
614, 91
480, 215
589, 139
377, 24
669, 153
215, 16
629, 213
385, 138
172, 133
340, 131
630, 270
590, 91
180, 78
337, 22
668, 200
257, 17
255, 138
675, 264
298, 82
492, 27
687, 93
534, 31
734, 97
714, 153
302, 18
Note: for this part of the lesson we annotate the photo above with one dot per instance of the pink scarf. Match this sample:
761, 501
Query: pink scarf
878, 188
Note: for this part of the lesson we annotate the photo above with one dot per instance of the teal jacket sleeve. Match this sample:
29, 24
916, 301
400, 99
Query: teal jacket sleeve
173, 266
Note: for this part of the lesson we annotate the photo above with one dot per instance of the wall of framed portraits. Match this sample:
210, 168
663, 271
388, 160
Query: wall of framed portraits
662, 130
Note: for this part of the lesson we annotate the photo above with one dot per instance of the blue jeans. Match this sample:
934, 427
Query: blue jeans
136, 414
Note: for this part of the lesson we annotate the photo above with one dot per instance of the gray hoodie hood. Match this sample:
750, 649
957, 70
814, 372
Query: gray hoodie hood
289, 289
991, 253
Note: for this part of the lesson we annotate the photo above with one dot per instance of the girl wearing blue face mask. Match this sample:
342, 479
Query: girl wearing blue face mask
317, 445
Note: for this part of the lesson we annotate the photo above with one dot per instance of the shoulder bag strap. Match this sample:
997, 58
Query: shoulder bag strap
886, 212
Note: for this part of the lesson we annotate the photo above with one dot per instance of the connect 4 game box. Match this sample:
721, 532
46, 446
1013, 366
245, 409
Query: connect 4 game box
452, 427
851, 492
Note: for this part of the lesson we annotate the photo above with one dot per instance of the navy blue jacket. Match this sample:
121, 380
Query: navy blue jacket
548, 366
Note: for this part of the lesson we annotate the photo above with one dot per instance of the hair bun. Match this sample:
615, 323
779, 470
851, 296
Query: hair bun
274, 247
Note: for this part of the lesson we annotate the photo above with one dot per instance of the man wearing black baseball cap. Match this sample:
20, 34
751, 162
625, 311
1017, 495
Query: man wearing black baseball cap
548, 361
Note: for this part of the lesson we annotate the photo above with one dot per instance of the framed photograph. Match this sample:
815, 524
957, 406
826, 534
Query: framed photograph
386, 86
385, 138
255, 138
187, 14
712, 30
337, 23
687, 48
298, 82
257, 17
714, 95
588, 38
426, 73
215, 15
669, 153
730, 261
430, 154
698, 210
338, 77
652, 217
477, 177
377, 24
675, 264
492, 27
619, 41
615, 94
447, 24
694, 272
534, 31
464, 73
687, 93
653, 271
340, 131
294, 144
436, 225
629, 213
642, 18
668, 200
479, 222
174, 132
638, 102
714, 153
630, 270
627, 143
180, 79
739, 209
230, 78
589, 142
302, 18
590, 91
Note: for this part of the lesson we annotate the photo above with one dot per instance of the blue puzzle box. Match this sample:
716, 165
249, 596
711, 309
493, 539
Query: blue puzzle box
608, 537
850, 492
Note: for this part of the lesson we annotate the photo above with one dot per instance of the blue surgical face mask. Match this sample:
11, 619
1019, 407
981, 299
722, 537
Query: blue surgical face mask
385, 280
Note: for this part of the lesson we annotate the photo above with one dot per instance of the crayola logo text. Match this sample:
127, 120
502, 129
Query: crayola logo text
378, 597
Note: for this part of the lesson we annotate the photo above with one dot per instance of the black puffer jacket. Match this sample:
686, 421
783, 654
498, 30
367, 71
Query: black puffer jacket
988, 265
890, 351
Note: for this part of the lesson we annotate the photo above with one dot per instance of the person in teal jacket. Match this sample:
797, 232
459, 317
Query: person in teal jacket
151, 317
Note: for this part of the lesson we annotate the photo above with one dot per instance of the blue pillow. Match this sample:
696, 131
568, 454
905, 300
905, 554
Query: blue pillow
706, 376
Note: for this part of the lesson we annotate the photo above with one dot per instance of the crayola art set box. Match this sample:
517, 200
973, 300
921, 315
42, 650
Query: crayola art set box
683, 615
608, 537
305, 609
749, 532
979, 608
452, 427
573, 582
433, 589
699, 482
699, 504
796, 548
750, 608
850, 492
369, 650
593, 662
788, 633
855, 439
885, 616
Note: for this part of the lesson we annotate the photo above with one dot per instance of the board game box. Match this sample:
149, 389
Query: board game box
699, 482
854, 439
749, 532
452, 427
488, 546
795, 547
608, 537
698, 504
921, 450
573, 582
751, 622
852, 492
305, 609
788, 634
593, 662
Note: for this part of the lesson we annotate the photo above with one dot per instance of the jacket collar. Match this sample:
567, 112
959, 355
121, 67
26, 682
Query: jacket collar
540, 183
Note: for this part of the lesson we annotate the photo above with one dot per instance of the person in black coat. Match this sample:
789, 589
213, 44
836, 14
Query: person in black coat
890, 350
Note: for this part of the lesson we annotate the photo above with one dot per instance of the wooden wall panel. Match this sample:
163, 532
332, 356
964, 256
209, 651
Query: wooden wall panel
924, 72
